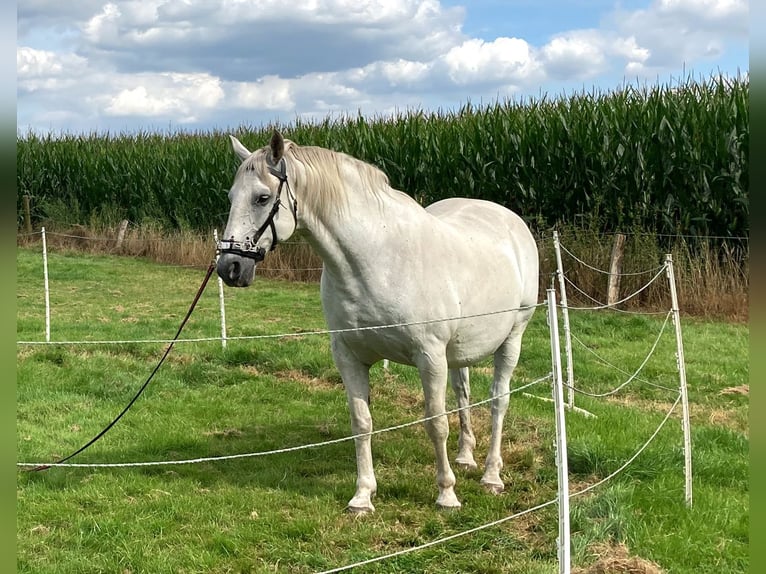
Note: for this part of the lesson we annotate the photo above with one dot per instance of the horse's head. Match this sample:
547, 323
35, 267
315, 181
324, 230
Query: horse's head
263, 211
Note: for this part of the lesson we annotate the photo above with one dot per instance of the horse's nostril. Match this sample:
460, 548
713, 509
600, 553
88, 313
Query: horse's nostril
234, 270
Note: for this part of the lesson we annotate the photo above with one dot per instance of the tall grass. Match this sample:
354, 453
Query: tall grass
666, 159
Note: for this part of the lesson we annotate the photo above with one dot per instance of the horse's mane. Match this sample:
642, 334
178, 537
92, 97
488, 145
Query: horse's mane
322, 175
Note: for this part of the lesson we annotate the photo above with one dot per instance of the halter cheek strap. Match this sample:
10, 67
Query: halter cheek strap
248, 247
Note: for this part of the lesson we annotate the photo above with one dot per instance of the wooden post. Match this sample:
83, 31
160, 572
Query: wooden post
27, 215
615, 268
121, 233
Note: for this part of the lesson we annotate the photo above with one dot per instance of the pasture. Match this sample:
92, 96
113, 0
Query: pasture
284, 512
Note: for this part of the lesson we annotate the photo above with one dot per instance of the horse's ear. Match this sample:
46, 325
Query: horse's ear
239, 149
277, 145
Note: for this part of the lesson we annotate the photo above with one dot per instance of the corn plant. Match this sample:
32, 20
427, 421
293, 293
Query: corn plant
669, 160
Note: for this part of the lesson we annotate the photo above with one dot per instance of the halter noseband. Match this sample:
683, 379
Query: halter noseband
248, 248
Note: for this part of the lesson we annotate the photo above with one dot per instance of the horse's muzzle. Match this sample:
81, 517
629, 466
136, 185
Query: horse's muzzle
235, 270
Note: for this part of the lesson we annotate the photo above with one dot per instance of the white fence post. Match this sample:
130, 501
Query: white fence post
681, 364
220, 296
563, 541
565, 318
47, 291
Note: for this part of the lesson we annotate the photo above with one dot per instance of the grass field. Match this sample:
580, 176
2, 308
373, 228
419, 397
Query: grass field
284, 513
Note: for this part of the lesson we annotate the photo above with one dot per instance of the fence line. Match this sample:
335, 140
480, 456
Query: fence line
542, 238
667, 267
513, 516
283, 335
623, 300
286, 449
602, 305
558, 386
633, 376
592, 268
624, 372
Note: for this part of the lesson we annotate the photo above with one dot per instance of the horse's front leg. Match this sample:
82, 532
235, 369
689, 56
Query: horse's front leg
466, 440
433, 374
356, 380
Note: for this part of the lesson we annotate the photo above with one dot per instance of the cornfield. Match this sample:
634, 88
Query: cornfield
666, 160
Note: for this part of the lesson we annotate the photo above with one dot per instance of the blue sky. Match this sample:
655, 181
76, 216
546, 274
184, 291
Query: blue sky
138, 65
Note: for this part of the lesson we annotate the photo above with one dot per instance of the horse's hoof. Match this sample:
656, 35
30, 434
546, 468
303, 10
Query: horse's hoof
493, 487
360, 507
466, 464
360, 510
448, 502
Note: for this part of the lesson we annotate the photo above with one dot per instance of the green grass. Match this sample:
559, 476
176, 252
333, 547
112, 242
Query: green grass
284, 512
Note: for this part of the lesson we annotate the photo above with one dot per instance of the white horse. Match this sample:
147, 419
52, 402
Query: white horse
458, 279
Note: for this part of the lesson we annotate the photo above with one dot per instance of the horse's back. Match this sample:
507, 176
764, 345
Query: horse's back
488, 225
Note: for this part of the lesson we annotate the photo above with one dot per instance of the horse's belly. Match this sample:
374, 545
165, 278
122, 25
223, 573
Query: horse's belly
469, 343
476, 340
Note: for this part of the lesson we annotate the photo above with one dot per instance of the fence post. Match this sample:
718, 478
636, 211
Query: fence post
565, 318
220, 296
563, 541
681, 364
615, 268
47, 292
121, 234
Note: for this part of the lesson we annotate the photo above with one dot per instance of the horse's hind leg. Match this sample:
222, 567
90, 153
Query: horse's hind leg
466, 440
356, 380
433, 374
505, 359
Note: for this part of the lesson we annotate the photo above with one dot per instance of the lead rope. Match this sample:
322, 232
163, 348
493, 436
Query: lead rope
143, 387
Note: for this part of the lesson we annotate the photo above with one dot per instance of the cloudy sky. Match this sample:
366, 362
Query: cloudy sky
96, 65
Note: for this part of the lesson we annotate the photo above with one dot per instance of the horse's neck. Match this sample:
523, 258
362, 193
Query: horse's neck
353, 242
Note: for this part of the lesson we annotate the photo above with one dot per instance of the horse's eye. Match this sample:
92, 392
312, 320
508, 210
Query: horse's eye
262, 199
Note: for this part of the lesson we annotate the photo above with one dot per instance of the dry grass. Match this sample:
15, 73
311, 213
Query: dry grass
712, 280
712, 276
730, 418
616, 559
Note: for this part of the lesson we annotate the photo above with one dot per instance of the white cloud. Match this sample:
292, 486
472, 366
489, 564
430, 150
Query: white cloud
577, 55
103, 26
46, 70
31, 63
405, 72
215, 61
677, 33
179, 95
267, 93
505, 60
732, 14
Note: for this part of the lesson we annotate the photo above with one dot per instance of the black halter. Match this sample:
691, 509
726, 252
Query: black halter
248, 248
